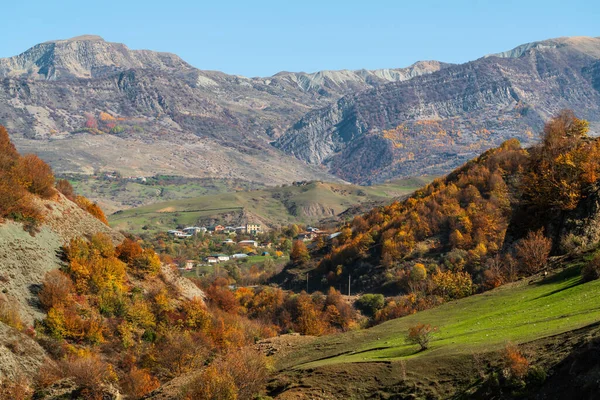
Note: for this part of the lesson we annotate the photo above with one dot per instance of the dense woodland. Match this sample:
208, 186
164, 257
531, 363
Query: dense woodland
485, 224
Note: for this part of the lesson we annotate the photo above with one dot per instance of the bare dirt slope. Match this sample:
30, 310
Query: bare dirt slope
25, 259
19, 354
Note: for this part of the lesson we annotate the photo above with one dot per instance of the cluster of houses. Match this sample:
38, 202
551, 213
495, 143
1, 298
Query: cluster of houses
219, 258
250, 229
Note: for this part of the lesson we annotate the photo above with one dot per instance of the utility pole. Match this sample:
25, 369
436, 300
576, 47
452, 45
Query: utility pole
307, 282
349, 284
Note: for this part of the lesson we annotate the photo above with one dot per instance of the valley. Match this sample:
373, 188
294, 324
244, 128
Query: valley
299, 203
423, 232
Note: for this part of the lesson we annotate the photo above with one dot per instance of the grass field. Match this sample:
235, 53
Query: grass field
548, 319
119, 194
518, 312
282, 205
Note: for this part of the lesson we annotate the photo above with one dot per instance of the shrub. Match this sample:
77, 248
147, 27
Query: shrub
147, 262
421, 334
212, 385
64, 186
238, 375
591, 271
15, 389
369, 304
56, 289
91, 208
517, 365
532, 252
129, 250
89, 373
35, 175
9, 313
138, 383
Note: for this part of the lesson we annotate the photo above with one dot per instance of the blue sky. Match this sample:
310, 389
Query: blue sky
261, 37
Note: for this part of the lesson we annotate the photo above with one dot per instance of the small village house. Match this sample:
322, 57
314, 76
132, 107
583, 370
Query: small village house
178, 234
217, 228
253, 229
194, 230
252, 243
189, 265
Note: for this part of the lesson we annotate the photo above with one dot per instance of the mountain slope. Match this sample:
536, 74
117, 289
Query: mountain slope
551, 318
25, 259
87, 105
435, 122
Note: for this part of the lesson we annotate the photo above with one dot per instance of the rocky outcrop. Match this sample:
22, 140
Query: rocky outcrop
85, 56
434, 122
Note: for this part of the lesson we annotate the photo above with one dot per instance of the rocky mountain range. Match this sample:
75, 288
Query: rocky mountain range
434, 122
88, 105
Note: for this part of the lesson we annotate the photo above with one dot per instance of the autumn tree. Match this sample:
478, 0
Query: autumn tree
35, 175
421, 334
91, 208
299, 252
532, 251
8, 153
563, 165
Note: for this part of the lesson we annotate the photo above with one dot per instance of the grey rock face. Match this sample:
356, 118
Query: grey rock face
84, 57
177, 119
434, 122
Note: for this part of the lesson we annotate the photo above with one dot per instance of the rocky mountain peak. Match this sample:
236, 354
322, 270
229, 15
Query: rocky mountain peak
352, 80
584, 44
87, 56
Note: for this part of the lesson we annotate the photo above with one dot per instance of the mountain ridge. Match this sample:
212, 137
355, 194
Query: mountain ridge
434, 122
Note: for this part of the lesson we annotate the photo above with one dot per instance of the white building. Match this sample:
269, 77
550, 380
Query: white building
178, 234
195, 230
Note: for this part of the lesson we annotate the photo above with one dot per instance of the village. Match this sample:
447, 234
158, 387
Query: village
249, 242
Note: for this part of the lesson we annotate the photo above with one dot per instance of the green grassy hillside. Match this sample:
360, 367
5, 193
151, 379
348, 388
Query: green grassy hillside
305, 203
121, 193
529, 311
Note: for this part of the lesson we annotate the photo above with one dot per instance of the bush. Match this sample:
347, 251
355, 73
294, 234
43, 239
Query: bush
9, 313
369, 304
35, 175
237, 375
421, 334
91, 208
138, 383
591, 271
532, 252
56, 289
64, 186
15, 389
517, 365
